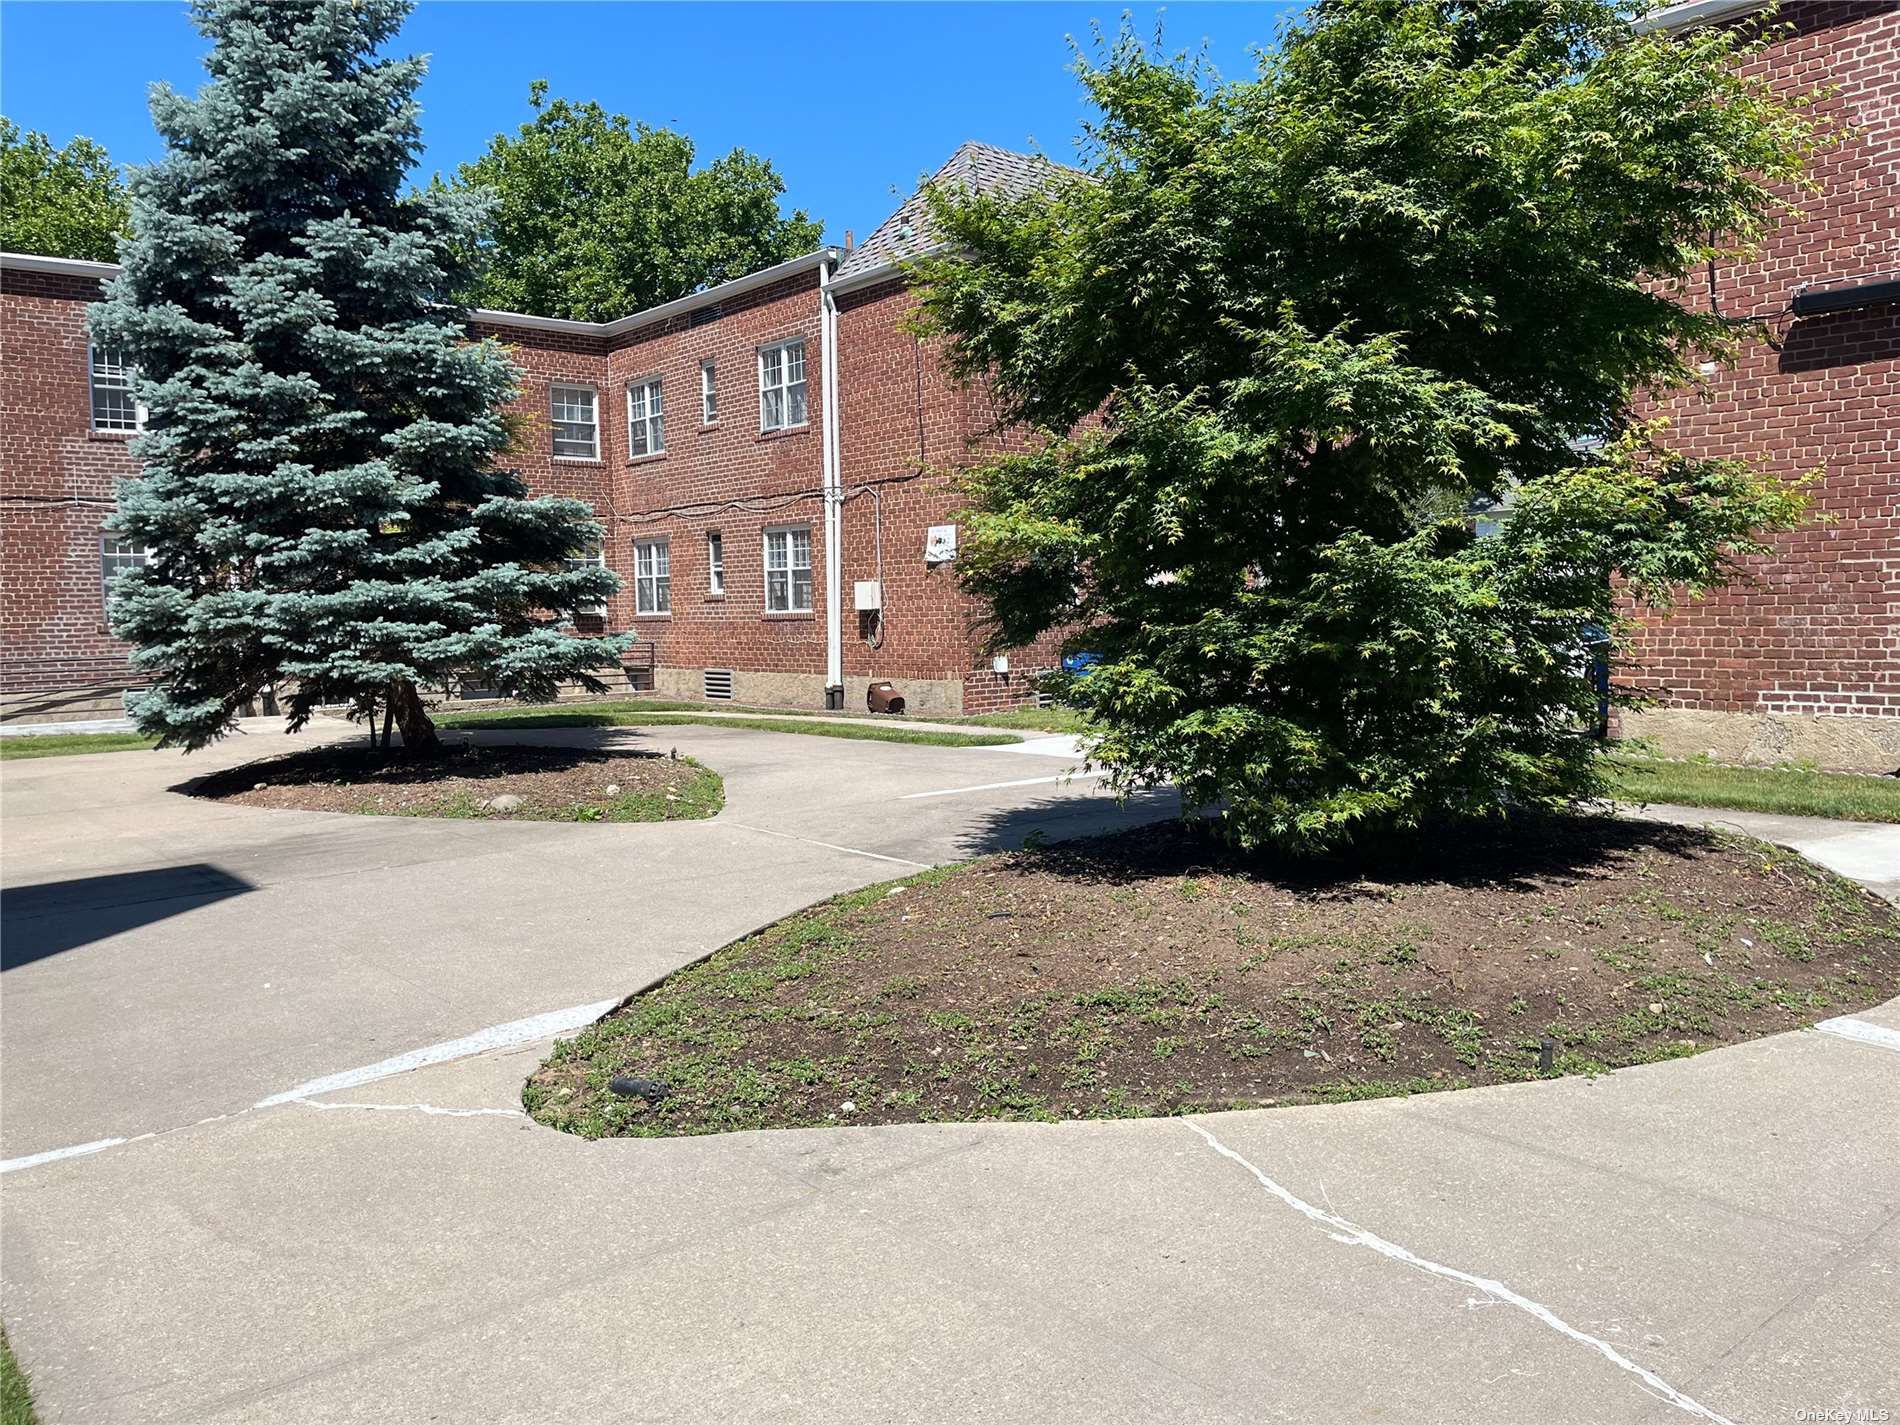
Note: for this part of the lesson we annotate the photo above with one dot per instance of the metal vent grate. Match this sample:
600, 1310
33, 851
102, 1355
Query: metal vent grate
719, 683
702, 315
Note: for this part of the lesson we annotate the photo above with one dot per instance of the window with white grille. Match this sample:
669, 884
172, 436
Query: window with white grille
788, 570
115, 557
575, 413
645, 433
708, 393
115, 408
652, 577
590, 557
715, 562
782, 385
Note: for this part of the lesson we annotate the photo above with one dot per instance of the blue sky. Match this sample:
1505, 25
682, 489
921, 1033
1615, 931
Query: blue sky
849, 101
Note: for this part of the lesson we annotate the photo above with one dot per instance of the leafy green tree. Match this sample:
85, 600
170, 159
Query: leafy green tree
320, 488
597, 217
1430, 255
59, 202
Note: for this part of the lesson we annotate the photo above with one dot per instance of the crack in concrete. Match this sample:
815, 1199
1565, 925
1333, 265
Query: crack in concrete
1352, 1235
417, 1108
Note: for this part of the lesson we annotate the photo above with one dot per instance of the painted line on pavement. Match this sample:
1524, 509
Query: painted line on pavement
1860, 1031
418, 1108
53, 1155
994, 786
1352, 1235
496, 1036
830, 846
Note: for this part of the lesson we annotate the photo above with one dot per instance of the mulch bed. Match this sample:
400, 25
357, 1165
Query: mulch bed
551, 783
1154, 972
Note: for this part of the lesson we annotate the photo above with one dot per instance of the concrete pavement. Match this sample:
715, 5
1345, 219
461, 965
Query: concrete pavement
1712, 1239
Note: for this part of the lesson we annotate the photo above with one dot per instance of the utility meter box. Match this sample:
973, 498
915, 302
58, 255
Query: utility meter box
940, 544
867, 596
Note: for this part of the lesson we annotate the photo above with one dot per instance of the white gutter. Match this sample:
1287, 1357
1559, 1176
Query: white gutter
738, 286
1688, 13
64, 266
833, 490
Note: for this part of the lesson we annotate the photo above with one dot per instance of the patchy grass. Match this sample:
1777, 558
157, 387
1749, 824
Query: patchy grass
1069, 720
548, 783
639, 714
1789, 791
16, 1397
68, 744
1155, 972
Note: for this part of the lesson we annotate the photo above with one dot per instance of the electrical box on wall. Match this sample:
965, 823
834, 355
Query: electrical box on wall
940, 544
1000, 664
867, 596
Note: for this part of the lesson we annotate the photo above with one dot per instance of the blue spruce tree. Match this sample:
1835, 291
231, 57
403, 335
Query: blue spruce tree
324, 488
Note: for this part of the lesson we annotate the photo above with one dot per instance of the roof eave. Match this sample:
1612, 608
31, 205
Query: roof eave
64, 266
1686, 14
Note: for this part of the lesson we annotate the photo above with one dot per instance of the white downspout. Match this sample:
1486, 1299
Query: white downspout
833, 491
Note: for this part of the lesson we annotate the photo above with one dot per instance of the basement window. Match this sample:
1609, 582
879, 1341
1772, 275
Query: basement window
575, 413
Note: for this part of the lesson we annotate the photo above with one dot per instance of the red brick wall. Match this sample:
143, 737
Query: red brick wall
57, 490
1819, 631
903, 423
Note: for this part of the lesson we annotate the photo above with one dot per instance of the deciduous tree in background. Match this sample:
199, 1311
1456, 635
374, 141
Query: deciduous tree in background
597, 218
1411, 265
320, 489
59, 202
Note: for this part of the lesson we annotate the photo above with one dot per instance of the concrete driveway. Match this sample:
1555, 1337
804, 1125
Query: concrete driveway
311, 1032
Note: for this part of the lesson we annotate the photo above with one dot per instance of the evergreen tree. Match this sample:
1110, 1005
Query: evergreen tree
1419, 263
320, 489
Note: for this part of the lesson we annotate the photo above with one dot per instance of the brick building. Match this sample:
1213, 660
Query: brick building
767, 458
1803, 661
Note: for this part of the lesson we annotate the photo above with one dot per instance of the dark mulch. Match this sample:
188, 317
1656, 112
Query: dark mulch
1154, 972
553, 783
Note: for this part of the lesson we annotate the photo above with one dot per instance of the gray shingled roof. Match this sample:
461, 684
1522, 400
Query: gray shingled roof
974, 167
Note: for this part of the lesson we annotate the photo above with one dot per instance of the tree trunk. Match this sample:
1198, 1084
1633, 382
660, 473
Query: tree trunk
418, 732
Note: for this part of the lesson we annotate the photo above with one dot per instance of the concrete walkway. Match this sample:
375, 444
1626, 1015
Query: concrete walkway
310, 1034
1865, 851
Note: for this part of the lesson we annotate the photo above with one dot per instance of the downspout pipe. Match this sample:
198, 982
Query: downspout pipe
833, 483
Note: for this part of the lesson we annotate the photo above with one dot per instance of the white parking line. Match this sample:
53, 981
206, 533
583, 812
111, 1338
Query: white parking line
496, 1036
1352, 1235
993, 786
53, 1155
1859, 1030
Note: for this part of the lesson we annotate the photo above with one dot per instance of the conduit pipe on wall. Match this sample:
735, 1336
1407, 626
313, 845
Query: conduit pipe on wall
833, 490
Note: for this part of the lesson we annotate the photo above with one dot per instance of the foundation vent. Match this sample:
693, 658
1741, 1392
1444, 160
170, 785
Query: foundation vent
719, 683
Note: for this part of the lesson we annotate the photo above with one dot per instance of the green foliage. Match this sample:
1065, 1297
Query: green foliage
1287, 331
596, 217
59, 202
319, 487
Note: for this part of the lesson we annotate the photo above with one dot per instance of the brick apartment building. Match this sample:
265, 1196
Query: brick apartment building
1803, 661
766, 459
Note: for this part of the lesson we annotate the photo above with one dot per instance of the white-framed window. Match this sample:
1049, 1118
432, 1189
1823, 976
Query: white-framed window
782, 385
115, 557
646, 431
708, 393
115, 408
715, 562
591, 556
652, 577
788, 570
575, 412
